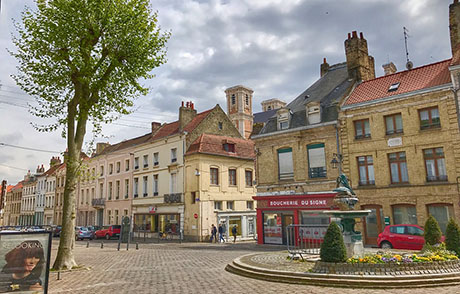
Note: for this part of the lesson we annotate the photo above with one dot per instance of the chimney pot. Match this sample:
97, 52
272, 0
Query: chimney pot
355, 34
324, 60
455, 1
349, 36
182, 103
361, 35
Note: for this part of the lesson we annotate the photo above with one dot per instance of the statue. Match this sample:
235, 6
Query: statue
346, 198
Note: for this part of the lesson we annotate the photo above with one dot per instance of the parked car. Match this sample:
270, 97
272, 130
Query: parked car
108, 232
57, 231
82, 233
402, 237
93, 229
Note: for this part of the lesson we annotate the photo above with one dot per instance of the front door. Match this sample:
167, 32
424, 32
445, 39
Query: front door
373, 224
288, 219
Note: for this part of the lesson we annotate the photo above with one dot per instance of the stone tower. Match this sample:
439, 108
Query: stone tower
239, 108
360, 64
454, 23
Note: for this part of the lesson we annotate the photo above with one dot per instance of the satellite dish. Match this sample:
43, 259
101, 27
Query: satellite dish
409, 65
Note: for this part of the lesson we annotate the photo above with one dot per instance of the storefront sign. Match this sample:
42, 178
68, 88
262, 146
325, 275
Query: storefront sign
152, 209
313, 203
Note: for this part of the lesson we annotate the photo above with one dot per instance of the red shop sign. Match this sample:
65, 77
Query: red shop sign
314, 203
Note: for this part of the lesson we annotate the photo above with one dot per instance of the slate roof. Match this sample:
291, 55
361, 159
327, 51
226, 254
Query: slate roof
423, 77
262, 117
125, 144
213, 144
328, 90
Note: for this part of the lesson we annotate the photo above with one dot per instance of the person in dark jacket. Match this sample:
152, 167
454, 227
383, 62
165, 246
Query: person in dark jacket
213, 233
221, 233
234, 233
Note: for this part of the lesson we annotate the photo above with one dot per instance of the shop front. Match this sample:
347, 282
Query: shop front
244, 221
151, 220
276, 212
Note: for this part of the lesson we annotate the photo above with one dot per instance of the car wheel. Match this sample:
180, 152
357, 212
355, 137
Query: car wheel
76, 238
386, 245
107, 237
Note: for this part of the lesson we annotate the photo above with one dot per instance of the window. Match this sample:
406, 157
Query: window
393, 87
232, 177
283, 125
118, 167
214, 176
404, 214
92, 194
136, 187
233, 99
362, 129
127, 164
173, 187
229, 147
101, 190
102, 170
110, 190
110, 169
193, 197
316, 161
116, 216
136, 163
398, 230
109, 216
429, 118
393, 124
248, 176
398, 167
126, 189
285, 167
442, 213
250, 205
247, 99
144, 185
434, 164
174, 155
155, 159
117, 194
218, 205
155, 185
81, 196
414, 231
366, 170
220, 125
230, 205
146, 160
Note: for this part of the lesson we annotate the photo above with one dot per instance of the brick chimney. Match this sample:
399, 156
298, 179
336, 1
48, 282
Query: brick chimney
186, 114
155, 127
55, 160
389, 68
454, 23
101, 146
359, 63
324, 67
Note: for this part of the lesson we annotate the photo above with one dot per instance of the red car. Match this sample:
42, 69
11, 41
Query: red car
401, 237
108, 232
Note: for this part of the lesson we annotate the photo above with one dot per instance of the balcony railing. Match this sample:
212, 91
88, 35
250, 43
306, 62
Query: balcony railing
317, 172
173, 198
98, 202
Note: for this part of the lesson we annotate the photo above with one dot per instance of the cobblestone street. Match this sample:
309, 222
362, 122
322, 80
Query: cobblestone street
179, 268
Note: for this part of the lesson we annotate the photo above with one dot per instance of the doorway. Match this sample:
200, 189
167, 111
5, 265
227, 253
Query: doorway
373, 223
287, 219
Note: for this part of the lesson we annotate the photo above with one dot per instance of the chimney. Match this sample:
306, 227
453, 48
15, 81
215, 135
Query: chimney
359, 63
389, 68
101, 146
186, 114
324, 67
454, 23
155, 127
54, 161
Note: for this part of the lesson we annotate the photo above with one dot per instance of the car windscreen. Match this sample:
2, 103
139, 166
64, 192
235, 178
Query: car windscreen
116, 227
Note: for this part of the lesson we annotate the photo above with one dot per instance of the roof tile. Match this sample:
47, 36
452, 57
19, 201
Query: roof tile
213, 144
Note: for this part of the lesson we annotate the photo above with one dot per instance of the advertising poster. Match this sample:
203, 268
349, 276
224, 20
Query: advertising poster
24, 262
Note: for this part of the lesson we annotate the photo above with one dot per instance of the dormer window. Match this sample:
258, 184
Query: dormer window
394, 87
229, 147
313, 113
283, 119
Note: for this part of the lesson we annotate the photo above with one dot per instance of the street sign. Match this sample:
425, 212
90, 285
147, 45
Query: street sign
195, 215
152, 209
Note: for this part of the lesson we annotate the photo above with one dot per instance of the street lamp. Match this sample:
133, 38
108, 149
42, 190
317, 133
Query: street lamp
336, 161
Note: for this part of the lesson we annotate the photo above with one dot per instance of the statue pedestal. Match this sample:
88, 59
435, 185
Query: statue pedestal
353, 240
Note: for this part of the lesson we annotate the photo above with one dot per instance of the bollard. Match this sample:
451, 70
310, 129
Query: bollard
59, 275
118, 247
137, 246
87, 244
102, 244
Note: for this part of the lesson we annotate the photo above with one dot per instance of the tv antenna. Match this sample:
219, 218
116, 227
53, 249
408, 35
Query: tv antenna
409, 64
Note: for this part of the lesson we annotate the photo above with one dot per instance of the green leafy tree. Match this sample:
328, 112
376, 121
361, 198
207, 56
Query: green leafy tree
453, 237
82, 60
432, 231
333, 248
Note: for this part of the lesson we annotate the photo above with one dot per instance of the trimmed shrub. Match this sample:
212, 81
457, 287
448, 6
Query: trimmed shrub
453, 237
333, 249
432, 233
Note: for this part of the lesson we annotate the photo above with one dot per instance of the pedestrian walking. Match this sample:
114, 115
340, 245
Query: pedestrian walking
234, 233
221, 233
213, 233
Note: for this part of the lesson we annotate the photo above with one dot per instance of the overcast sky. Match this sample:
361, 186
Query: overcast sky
274, 47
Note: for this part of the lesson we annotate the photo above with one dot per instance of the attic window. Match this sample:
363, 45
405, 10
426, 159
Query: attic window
393, 87
229, 147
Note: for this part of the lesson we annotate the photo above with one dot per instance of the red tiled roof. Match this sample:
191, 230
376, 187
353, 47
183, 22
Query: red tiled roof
126, 144
8, 188
18, 185
213, 144
52, 169
423, 77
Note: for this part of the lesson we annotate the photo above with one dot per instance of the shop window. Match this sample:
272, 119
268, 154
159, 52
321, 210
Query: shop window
235, 221
248, 177
404, 214
218, 205
398, 167
232, 177
366, 170
442, 213
429, 118
435, 164
272, 229
362, 129
285, 164
214, 176
316, 161
393, 124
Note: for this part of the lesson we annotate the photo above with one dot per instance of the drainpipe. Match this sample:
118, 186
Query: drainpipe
454, 91
339, 155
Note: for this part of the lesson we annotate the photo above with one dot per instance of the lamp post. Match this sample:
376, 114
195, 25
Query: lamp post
336, 162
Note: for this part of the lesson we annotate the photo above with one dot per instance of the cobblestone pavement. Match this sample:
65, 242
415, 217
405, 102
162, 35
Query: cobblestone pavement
181, 268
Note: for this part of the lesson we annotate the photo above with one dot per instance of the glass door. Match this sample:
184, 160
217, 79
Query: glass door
373, 224
288, 219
